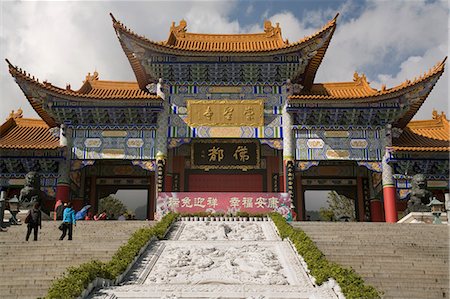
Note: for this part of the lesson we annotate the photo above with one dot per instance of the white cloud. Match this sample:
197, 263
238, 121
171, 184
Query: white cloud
63, 41
390, 40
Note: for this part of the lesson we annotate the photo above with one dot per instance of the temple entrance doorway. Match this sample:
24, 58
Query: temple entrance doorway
343, 181
224, 165
131, 203
127, 184
330, 205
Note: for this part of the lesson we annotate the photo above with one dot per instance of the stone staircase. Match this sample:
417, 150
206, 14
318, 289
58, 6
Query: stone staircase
28, 268
219, 259
401, 260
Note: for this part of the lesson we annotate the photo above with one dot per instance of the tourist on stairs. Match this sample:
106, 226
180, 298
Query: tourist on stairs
33, 221
68, 221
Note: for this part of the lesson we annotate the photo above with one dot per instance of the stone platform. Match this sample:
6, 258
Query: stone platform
220, 260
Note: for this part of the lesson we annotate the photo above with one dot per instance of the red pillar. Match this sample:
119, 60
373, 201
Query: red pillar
390, 209
63, 192
376, 211
389, 193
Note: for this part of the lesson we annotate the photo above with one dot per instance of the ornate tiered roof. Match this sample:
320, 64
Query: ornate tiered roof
270, 39
185, 44
180, 39
113, 90
26, 133
360, 91
92, 89
425, 135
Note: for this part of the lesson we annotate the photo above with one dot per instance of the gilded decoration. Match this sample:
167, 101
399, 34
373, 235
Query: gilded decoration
113, 153
358, 143
373, 166
338, 154
225, 89
336, 134
135, 142
225, 154
315, 143
225, 132
111, 133
225, 113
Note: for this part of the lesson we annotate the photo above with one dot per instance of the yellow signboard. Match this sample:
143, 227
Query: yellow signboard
225, 113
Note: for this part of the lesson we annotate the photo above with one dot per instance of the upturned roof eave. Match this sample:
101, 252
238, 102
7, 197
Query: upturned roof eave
47, 88
316, 61
379, 96
15, 131
161, 47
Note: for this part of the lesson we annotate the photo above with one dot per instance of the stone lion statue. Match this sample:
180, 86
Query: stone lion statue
419, 196
31, 191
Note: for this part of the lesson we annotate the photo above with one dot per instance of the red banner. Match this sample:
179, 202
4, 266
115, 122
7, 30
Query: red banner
223, 202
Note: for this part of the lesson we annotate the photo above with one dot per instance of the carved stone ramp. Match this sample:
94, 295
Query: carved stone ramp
220, 259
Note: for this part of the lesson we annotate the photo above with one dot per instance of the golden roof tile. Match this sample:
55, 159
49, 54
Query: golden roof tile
425, 135
26, 133
270, 39
92, 89
340, 90
270, 42
360, 89
180, 39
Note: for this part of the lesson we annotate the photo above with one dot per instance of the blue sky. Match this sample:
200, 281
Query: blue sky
390, 41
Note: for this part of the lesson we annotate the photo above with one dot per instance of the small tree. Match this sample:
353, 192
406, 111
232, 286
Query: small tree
326, 214
340, 206
112, 205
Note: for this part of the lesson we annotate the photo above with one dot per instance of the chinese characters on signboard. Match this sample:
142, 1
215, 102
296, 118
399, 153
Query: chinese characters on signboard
225, 154
225, 113
227, 203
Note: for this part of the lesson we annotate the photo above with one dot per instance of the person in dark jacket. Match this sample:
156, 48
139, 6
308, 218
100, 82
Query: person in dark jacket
34, 221
68, 221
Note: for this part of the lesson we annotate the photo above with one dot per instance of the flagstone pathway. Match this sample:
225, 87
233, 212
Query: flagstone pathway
219, 259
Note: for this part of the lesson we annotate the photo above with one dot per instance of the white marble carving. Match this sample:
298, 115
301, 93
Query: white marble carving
220, 260
222, 231
218, 264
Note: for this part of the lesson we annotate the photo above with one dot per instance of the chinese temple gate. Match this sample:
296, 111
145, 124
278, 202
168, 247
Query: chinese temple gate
228, 113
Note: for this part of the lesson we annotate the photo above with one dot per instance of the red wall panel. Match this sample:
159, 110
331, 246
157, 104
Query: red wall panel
225, 182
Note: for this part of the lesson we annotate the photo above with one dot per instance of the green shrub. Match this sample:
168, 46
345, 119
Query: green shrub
78, 278
242, 214
352, 285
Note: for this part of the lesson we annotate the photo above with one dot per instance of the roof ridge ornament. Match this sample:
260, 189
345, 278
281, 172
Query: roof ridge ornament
437, 116
92, 77
359, 79
270, 30
179, 30
15, 115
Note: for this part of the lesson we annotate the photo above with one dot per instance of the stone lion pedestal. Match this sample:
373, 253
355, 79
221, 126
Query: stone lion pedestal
422, 217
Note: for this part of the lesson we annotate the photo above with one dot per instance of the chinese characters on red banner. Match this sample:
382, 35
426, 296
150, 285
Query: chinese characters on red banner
228, 203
